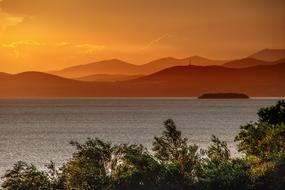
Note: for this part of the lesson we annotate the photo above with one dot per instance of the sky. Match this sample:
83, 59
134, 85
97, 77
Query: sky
47, 35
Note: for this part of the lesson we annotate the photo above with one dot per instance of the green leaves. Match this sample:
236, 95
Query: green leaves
218, 150
266, 136
25, 176
88, 169
171, 147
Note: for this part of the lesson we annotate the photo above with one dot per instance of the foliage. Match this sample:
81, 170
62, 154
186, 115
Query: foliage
137, 170
219, 170
177, 157
88, 169
273, 115
266, 136
263, 143
173, 163
25, 176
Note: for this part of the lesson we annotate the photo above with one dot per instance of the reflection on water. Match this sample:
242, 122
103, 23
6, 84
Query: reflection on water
38, 131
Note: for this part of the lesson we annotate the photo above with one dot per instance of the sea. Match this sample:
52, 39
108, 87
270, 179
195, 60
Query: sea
40, 130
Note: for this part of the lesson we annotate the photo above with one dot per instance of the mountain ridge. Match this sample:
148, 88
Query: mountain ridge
119, 67
269, 55
178, 81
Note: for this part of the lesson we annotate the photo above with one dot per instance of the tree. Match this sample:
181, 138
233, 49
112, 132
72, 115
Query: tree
274, 115
89, 167
266, 136
219, 171
263, 143
25, 176
178, 157
137, 169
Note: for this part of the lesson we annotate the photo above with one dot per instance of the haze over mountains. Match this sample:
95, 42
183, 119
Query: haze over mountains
270, 55
178, 81
119, 67
249, 62
179, 77
108, 77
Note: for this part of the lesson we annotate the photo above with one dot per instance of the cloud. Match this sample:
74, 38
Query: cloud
21, 48
63, 44
21, 43
7, 20
155, 41
89, 48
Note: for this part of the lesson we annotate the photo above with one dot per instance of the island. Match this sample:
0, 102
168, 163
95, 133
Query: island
223, 96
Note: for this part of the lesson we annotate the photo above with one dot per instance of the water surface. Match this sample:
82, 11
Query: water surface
38, 131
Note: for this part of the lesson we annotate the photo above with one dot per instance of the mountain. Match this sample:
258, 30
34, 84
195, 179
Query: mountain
118, 67
161, 64
4, 74
108, 78
196, 80
247, 62
178, 81
167, 62
113, 66
34, 83
201, 61
269, 55
37, 84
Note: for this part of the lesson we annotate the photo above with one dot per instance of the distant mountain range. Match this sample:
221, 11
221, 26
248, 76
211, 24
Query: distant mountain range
118, 67
3, 74
177, 81
249, 62
108, 78
261, 74
115, 67
270, 55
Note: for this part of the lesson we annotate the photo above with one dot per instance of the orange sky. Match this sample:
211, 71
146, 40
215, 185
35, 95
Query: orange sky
52, 34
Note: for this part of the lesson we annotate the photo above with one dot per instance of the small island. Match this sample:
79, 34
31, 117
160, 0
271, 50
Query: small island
224, 96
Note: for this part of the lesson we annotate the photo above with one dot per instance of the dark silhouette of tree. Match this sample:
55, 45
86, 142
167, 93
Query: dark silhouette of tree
25, 176
274, 115
178, 157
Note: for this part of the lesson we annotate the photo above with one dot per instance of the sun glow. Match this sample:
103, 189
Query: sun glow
52, 34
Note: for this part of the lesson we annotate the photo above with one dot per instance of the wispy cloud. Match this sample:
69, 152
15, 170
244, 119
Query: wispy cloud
17, 44
89, 48
86, 48
155, 41
17, 47
21, 48
7, 20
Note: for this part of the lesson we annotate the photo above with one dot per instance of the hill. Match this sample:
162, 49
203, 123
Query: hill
269, 55
113, 66
108, 78
118, 67
178, 81
167, 62
201, 61
196, 80
4, 74
224, 96
247, 62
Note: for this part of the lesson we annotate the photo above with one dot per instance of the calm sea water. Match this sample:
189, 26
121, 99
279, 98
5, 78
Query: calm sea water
38, 131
